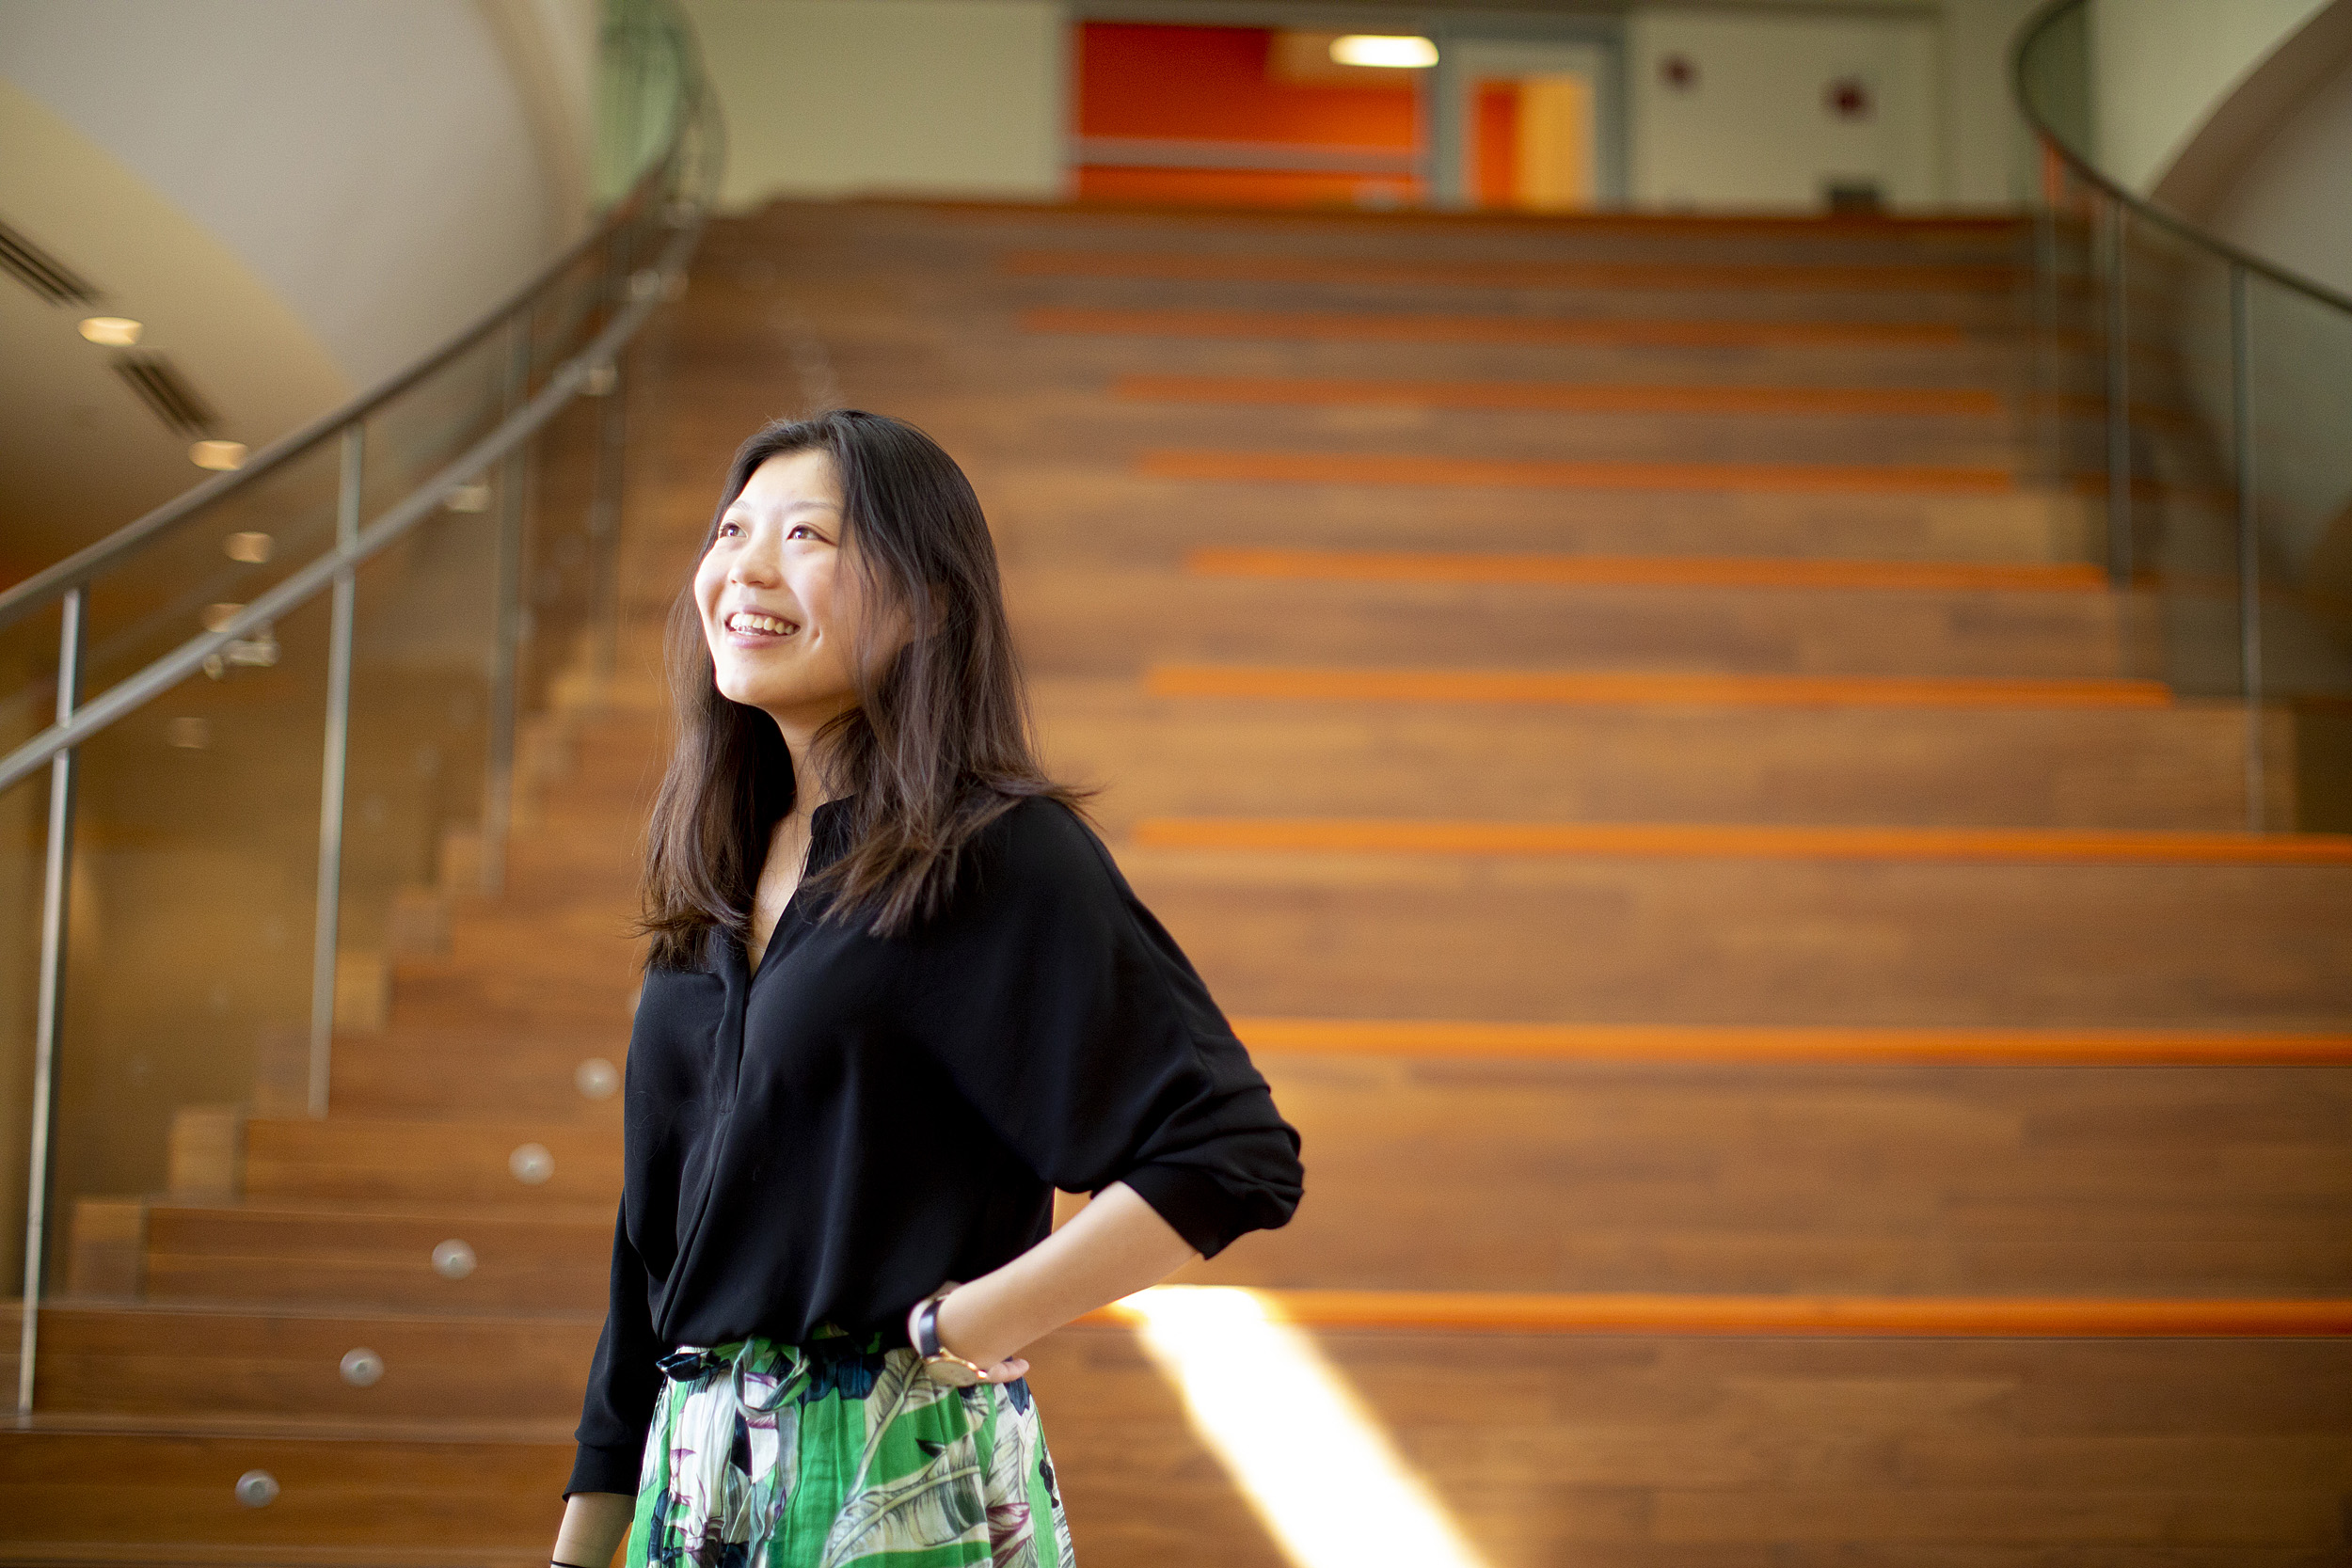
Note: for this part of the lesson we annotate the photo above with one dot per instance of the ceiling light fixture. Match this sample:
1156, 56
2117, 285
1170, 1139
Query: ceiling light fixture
1375, 49
223, 455
113, 331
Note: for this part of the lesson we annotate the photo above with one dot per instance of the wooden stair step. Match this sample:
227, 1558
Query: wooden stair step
367, 1499
1757, 941
1475, 1039
1566, 397
1688, 450
155, 1364
1655, 571
1370, 468
1517, 1171
1615, 276
1072, 510
1615, 1452
1529, 330
1987, 1180
1648, 687
357, 1159
524, 1257
1745, 841
2181, 766
1097, 620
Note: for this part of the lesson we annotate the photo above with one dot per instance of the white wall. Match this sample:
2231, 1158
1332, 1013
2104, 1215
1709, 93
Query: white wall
2293, 201
908, 97
1756, 132
2159, 67
1987, 150
375, 162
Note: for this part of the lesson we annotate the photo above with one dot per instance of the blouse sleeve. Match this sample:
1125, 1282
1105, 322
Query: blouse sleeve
1072, 1022
622, 1382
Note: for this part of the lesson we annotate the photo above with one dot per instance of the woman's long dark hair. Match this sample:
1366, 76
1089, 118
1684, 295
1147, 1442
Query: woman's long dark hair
937, 748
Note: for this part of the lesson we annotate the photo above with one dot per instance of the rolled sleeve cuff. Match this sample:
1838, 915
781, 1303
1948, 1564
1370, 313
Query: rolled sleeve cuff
599, 1469
1194, 1204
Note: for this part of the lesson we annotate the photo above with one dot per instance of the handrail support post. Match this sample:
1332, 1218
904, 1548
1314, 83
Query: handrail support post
2119, 406
2249, 603
498, 805
333, 772
56, 869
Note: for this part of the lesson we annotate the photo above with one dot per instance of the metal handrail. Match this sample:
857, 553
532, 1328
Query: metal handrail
169, 670
2140, 207
2121, 209
591, 369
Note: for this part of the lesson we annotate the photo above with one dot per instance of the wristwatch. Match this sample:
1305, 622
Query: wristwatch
923, 1330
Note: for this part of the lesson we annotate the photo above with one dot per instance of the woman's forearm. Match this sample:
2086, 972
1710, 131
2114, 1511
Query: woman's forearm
1115, 1246
594, 1524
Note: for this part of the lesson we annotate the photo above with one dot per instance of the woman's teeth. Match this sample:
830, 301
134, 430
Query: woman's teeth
744, 620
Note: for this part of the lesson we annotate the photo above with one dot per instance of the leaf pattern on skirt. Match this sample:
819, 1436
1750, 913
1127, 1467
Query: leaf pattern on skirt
865, 1459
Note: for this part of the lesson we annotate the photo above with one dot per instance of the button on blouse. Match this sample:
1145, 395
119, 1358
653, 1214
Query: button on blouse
828, 1138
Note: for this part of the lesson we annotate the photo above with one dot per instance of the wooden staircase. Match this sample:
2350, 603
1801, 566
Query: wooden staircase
1317, 526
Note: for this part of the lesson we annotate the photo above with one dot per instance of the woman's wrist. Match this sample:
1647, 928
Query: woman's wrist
961, 1327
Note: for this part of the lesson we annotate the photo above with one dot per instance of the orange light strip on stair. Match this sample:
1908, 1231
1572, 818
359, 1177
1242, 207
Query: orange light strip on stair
1743, 841
1735, 1043
1562, 397
1289, 467
1995, 1317
1604, 571
1393, 327
1640, 689
1343, 272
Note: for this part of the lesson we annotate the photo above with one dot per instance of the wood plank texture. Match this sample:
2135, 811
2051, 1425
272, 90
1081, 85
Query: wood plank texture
1564, 397
1744, 841
1293, 467
1556, 331
1644, 571
1631, 688
1799, 1063
1341, 272
1656, 1042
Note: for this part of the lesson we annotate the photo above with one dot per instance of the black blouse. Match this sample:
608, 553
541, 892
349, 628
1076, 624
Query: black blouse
830, 1138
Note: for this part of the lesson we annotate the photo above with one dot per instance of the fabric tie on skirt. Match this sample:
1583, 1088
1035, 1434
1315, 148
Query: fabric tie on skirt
834, 1452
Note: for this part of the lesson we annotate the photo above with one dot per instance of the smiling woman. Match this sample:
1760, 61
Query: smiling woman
898, 994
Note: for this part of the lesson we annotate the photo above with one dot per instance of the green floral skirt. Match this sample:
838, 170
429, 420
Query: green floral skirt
838, 1452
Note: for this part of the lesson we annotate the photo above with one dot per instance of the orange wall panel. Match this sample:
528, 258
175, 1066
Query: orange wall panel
1212, 83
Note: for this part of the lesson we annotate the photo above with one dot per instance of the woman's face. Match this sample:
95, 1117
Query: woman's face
782, 610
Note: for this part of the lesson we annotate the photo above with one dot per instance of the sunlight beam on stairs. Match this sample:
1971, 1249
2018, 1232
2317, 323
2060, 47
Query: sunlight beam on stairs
1312, 1460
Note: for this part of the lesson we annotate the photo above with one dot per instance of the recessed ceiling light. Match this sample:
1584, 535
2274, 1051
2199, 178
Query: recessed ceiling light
189, 735
113, 331
215, 616
217, 455
1376, 48
253, 548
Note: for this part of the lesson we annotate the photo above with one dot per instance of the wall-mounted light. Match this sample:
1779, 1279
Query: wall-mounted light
1390, 52
113, 331
223, 455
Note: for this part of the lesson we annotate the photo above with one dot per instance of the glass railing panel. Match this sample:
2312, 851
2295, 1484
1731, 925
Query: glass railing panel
191, 984
416, 435
187, 996
425, 619
2181, 429
29, 677
186, 582
24, 821
2299, 359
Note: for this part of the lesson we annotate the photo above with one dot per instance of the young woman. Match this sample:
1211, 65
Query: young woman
897, 993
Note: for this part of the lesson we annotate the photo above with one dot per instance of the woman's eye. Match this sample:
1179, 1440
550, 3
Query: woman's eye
802, 531
727, 530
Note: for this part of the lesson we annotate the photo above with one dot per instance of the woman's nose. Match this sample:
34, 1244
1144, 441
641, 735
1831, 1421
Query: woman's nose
756, 564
